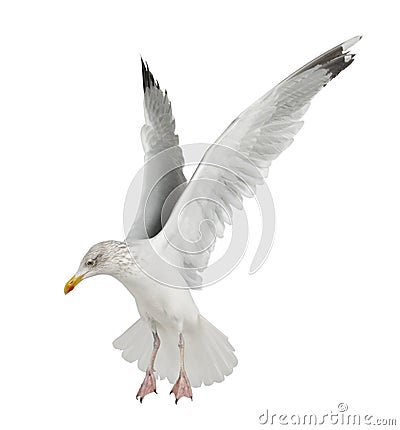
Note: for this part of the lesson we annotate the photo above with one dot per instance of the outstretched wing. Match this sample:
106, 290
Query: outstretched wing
239, 161
163, 161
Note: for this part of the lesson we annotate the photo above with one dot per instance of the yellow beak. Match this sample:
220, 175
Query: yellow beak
72, 283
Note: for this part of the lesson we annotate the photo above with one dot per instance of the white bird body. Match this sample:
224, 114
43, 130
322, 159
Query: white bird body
170, 307
168, 311
169, 244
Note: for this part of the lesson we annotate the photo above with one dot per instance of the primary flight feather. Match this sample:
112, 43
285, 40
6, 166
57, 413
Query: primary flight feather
169, 245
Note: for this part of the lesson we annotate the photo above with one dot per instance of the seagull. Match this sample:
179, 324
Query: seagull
165, 252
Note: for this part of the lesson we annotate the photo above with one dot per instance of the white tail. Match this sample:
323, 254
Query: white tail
209, 356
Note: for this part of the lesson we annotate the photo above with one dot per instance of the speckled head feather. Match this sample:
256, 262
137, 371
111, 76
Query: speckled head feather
110, 257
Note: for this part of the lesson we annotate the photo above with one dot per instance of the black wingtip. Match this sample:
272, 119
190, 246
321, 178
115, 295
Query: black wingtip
334, 61
338, 64
147, 76
341, 57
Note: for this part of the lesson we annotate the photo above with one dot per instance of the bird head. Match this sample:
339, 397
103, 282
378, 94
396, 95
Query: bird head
104, 258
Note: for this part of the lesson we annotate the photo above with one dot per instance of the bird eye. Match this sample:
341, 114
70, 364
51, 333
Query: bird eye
90, 263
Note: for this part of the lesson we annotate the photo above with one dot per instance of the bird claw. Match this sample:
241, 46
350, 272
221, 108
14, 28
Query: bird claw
182, 387
148, 385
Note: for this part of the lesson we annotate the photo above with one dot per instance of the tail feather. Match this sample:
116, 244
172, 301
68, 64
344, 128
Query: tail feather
209, 357
225, 363
136, 343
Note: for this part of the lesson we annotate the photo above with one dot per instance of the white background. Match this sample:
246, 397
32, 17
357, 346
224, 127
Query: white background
318, 325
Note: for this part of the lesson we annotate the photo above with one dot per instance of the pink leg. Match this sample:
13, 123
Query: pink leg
182, 386
149, 383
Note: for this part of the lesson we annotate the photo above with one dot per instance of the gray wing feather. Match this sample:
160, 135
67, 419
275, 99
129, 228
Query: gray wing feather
163, 178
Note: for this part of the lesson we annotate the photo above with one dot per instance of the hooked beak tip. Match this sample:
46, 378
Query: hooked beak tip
72, 283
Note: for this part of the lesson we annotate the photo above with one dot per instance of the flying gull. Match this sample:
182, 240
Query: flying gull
163, 256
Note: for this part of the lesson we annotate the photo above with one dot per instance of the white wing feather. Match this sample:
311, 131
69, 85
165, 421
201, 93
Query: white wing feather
226, 172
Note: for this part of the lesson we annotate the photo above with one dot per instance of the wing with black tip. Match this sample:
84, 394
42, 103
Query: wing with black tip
236, 164
163, 178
